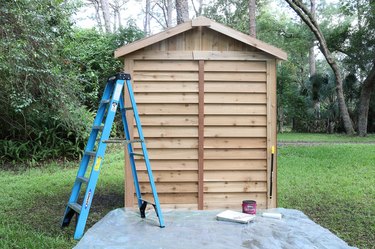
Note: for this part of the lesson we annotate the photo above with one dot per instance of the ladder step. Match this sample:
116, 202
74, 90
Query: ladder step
104, 101
123, 141
136, 154
82, 179
90, 153
98, 127
76, 207
128, 108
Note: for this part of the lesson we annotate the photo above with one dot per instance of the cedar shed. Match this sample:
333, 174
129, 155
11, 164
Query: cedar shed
206, 95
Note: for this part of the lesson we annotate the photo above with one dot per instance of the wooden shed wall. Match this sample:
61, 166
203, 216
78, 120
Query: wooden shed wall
205, 102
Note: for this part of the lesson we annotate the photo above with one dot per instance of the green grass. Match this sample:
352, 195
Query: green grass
320, 137
333, 185
33, 201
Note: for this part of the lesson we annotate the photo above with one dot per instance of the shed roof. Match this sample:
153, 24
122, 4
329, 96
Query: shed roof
201, 22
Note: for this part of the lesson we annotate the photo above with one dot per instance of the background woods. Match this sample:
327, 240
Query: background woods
53, 71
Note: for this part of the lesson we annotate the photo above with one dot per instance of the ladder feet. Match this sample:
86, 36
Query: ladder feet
142, 209
67, 218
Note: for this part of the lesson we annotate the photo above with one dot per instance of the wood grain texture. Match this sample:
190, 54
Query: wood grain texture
235, 87
235, 143
235, 187
169, 176
234, 120
169, 120
235, 98
240, 131
201, 151
236, 164
235, 176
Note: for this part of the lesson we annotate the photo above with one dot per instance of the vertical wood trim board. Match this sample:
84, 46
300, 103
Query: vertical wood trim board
129, 183
271, 131
200, 134
272, 65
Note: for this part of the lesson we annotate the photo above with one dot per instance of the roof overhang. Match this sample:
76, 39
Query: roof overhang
201, 22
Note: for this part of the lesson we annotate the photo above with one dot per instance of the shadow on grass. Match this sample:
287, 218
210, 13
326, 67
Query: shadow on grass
45, 215
349, 220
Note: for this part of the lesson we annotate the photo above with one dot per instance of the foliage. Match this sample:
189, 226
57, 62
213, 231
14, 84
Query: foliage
88, 56
51, 76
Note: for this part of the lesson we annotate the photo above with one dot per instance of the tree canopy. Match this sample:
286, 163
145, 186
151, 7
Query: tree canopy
53, 72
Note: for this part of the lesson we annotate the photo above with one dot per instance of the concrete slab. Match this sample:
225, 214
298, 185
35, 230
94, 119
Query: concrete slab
199, 229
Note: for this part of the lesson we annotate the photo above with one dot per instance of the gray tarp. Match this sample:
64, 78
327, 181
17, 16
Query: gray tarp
200, 229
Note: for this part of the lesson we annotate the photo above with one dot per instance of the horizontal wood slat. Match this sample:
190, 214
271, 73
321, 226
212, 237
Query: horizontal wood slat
167, 76
160, 98
232, 120
168, 109
173, 198
233, 109
235, 164
171, 153
215, 142
235, 154
235, 206
169, 164
186, 120
178, 206
235, 176
235, 66
169, 131
162, 87
239, 131
234, 98
169, 176
230, 55
171, 187
234, 187
231, 77
235, 87
164, 143
165, 65
234, 198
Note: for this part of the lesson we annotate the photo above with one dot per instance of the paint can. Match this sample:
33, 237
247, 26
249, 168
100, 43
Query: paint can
249, 207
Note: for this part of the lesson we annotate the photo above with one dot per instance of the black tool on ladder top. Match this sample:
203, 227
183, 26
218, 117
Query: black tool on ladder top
90, 165
271, 174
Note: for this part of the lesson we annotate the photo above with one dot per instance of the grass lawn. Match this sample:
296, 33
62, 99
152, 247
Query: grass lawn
333, 184
33, 201
321, 137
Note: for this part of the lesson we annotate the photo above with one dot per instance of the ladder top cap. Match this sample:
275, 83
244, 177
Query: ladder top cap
123, 76
120, 76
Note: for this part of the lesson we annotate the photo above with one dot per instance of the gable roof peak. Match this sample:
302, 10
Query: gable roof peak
201, 21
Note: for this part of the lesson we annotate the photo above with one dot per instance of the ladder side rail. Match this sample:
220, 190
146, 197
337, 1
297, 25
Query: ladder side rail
145, 153
130, 151
90, 145
94, 175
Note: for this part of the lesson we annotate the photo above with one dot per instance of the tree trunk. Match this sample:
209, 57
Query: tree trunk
119, 19
106, 15
252, 9
364, 102
146, 27
198, 12
311, 52
114, 21
311, 22
182, 10
169, 13
97, 15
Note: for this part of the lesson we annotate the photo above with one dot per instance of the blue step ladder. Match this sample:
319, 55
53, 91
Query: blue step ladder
95, 151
